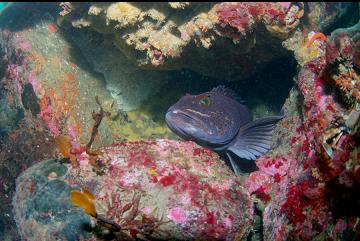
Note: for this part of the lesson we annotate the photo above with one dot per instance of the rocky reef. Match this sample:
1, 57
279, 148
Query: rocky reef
175, 36
318, 166
74, 80
165, 190
166, 36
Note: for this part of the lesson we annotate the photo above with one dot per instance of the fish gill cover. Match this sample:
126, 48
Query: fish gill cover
84, 90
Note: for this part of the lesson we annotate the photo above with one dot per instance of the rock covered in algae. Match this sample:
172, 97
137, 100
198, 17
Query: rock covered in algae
180, 35
322, 15
184, 191
47, 79
309, 184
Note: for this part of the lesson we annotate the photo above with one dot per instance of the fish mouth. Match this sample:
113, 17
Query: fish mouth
178, 121
180, 114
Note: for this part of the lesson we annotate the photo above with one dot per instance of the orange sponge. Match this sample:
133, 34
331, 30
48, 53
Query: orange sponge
315, 37
84, 200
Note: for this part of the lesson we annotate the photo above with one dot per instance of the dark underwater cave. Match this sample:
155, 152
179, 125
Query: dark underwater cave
264, 92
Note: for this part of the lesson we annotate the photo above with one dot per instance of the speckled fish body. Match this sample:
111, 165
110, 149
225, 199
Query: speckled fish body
216, 120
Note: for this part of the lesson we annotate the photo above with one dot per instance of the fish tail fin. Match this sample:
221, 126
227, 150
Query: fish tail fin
253, 140
83, 200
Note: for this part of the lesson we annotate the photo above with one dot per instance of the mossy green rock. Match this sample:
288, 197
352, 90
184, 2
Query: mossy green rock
45, 210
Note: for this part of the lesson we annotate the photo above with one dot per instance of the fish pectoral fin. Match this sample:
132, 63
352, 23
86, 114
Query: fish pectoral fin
234, 165
239, 166
254, 138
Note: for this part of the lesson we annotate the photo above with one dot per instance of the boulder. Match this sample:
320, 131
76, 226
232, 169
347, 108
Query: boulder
163, 190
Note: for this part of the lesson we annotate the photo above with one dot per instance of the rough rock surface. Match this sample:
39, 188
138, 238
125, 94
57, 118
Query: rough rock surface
56, 79
47, 89
129, 85
180, 35
182, 191
165, 36
307, 188
309, 184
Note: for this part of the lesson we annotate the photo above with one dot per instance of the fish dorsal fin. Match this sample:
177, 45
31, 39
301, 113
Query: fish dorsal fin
225, 91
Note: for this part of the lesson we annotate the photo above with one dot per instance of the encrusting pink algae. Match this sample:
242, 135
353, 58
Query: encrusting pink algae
143, 184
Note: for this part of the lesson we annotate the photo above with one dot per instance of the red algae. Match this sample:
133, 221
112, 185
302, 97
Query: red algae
142, 157
52, 28
203, 152
318, 171
243, 15
277, 177
210, 218
167, 180
70, 76
302, 185
296, 202
261, 194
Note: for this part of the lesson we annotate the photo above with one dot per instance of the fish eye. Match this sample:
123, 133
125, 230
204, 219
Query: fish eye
205, 101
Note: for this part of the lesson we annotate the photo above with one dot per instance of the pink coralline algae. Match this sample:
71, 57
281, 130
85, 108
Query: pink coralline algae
343, 45
177, 215
167, 180
183, 195
316, 178
306, 188
243, 15
340, 226
286, 5
46, 113
298, 199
